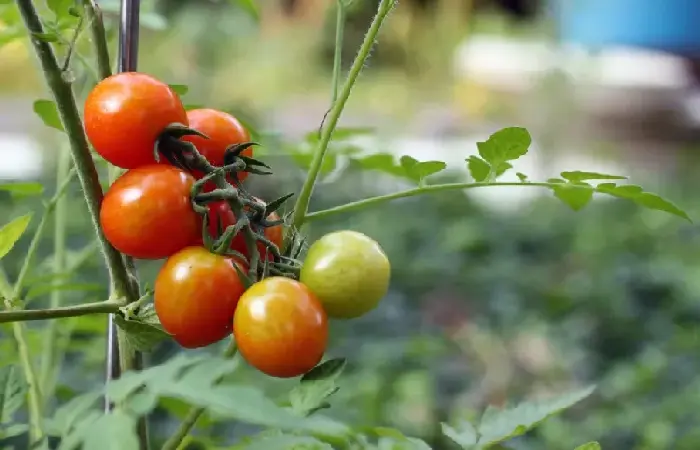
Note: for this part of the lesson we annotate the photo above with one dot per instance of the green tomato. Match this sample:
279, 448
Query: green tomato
348, 272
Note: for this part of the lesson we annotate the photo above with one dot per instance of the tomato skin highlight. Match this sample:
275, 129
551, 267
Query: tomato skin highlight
195, 296
221, 211
147, 213
280, 327
223, 131
125, 114
348, 272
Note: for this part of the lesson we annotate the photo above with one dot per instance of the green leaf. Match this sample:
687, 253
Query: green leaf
114, 431
47, 37
281, 442
639, 196
75, 412
395, 439
303, 159
144, 331
48, 112
589, 446
502, 146
60, 8
522, 177
22, 189
190, 107
499, 425
13, 391
576, 195
249, 6
478, 168
316, 386
179, 89
10, 233
463, 433
418, 171
577, 175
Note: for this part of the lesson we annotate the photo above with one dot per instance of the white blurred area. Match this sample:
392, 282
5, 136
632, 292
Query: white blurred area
21, 157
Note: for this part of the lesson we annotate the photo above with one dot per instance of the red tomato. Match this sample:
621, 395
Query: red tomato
280, 327
147, 212
195, 296
223, 131
222, 211
125, 114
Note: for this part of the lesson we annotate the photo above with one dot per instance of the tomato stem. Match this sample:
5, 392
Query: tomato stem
97, 28
338, 53
25, 315
302, 203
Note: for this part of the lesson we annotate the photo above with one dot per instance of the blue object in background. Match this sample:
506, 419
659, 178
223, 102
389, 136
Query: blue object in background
666, 25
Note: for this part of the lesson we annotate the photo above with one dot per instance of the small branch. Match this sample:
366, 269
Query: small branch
373, 201
71, 45
24, 315
97, 28
338, 55
173, 443
302, 204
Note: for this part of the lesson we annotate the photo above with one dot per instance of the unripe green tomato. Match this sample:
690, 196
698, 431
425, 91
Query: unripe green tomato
349, 273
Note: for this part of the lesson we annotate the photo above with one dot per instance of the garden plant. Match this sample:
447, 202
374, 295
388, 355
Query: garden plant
236, 267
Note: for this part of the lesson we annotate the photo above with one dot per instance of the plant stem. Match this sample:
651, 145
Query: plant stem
87, 174
338, 55
173, 443
97, 28
48, 356
23, 315
373, 201
302, 204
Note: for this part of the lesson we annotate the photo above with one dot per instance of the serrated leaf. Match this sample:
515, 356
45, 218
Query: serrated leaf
383, 162
142, 402
522, 177
75, 411
10, 233
502, 146
316, 386
113, 431
578, 175
179, 89
46, 37
13, 391
48, 112
639, 196
144, 331
73, 439
499, 425
22, 189
397, 440
419, 170
478, 168
463, 433
589, 446
575, 195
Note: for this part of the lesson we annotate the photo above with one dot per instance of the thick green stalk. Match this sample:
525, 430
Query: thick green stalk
85, 309
338, 54
48, 356
99, 41
302, 203
373, 201
173, 443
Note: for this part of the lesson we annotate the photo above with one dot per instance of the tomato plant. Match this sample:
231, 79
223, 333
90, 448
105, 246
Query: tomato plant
280, 327
125, 114
195, 296
348, 271
223, 131
147, 213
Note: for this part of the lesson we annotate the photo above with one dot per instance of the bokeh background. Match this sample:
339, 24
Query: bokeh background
497, 294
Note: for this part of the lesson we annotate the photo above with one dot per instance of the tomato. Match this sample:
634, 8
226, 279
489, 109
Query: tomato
222, 211
223, 131
280, 327
195, 296
125, 114
147, 212
348, 272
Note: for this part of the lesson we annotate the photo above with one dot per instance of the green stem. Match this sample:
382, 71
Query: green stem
373, 201
173, 443
36, 433
302, 204
338, 55
48, 356
68, 111
97, 28
24, 315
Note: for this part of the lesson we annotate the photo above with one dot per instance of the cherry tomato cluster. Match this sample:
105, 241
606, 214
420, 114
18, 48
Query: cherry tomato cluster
203, 294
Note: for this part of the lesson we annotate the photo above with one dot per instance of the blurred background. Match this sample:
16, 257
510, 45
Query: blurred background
497, 295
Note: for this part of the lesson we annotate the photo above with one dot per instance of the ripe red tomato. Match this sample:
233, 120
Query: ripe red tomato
280, 327
222, 211
125, 114
223, 131
348, 272
147, 212
195, 296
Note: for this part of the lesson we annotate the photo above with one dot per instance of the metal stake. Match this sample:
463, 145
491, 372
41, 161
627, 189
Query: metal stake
128, 59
